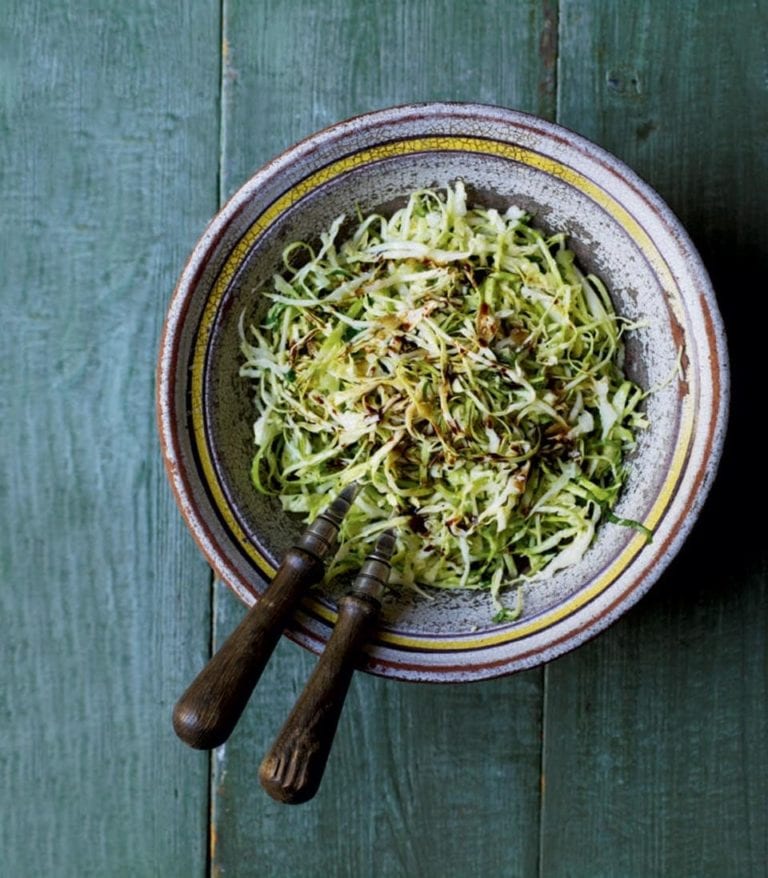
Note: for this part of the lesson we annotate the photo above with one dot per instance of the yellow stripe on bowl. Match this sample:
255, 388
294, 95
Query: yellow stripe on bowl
406, 147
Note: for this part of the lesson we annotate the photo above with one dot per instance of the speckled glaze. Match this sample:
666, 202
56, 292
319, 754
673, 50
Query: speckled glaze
620, 230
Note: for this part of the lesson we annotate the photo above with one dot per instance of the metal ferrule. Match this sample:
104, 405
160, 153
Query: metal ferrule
373, 577
319, 538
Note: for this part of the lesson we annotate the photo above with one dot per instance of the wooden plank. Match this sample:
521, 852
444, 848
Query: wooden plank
108, 163
295, 66
422, 780
656, 734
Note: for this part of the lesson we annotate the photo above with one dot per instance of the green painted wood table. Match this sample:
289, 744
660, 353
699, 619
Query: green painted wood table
122, 127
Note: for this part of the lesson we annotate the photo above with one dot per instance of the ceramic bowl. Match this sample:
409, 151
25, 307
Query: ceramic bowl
620, 230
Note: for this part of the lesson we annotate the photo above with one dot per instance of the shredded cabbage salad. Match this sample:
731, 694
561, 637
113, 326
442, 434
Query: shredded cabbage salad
455, 363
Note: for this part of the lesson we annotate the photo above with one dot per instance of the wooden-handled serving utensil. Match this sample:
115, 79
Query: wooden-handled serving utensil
292, 770
208, 711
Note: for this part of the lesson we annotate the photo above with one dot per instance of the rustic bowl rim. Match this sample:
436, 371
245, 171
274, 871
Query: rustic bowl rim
206, 246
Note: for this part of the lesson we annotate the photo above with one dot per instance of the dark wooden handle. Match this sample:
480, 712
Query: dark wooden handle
292, 770
207, 712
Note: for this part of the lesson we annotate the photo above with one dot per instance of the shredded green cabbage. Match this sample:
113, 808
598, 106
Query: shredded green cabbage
457, 365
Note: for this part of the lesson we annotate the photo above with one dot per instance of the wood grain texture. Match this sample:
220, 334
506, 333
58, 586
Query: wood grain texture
108, 162
292, 67
427, 781
656, 734
422, 780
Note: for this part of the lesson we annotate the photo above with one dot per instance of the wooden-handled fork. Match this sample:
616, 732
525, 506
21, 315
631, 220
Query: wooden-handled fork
208, 711
292, 770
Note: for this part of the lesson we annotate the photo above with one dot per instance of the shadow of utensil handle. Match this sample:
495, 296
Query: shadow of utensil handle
208, 711
292, 770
